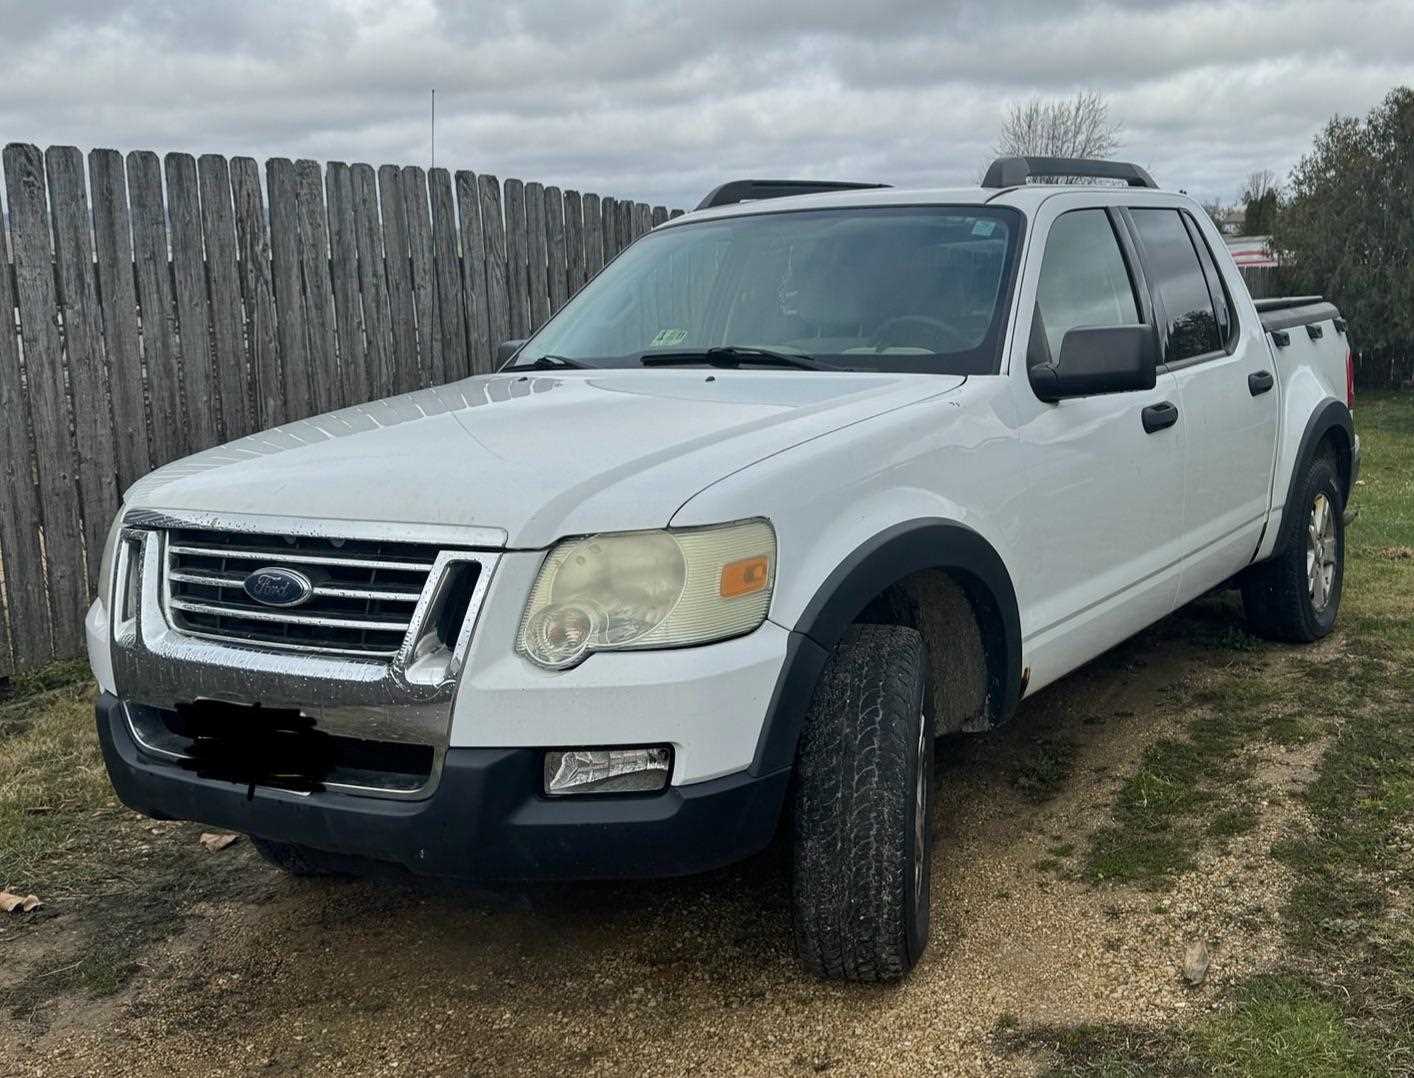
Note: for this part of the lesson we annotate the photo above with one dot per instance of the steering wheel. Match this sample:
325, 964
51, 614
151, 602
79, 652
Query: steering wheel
951, 339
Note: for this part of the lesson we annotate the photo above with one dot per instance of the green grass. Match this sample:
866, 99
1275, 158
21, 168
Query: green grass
1274, 1027
1044, 769
54, 676
1342, 1002
65, 838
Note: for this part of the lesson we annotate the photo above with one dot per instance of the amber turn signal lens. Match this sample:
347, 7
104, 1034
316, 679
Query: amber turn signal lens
745, 577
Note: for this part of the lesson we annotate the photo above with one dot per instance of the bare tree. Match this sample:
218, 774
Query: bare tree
1080, 126
1259, 184
1216, 211
1261, 201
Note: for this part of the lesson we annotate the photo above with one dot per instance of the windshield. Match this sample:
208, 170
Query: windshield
909, 288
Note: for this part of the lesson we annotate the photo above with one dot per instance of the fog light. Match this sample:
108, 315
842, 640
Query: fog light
606, 771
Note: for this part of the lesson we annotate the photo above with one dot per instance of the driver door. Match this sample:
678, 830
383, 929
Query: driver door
1099, 532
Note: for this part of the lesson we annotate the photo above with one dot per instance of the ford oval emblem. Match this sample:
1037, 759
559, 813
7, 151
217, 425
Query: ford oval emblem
278, 587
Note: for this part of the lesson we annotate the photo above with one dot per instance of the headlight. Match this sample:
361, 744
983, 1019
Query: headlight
655, 589
110, 555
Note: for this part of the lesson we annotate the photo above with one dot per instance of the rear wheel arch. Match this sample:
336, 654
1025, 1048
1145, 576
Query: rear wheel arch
1330, 430
871, 574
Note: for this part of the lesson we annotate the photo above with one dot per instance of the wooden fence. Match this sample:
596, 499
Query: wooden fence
161, 306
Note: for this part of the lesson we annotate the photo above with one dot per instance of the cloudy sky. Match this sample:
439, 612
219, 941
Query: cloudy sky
661, 100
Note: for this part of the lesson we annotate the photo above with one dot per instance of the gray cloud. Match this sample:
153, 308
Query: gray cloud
663, 100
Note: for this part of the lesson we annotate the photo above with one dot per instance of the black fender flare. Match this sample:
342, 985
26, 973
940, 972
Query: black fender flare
887, 558
1330, 414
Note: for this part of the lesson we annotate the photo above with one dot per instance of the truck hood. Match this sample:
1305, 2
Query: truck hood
536, 456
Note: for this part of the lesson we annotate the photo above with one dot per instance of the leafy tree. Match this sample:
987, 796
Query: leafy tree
1346, 231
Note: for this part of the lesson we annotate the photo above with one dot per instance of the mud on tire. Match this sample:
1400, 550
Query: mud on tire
862, 841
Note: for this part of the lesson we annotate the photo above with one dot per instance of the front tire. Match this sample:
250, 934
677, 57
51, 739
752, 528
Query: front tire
862, 824
1295, 594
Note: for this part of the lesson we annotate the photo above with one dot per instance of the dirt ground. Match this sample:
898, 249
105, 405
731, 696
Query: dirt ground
260, 973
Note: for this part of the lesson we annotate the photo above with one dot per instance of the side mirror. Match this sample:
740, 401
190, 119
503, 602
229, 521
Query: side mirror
505, 350
1107, 359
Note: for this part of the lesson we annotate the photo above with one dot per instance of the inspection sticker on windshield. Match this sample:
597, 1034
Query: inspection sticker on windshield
983, 228
669, 337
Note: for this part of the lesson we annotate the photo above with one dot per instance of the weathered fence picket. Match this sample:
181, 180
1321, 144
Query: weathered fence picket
21, 556
189, 292
555, 247
431, 369
113, 246
372, 283
83, 344
446, 267
399, 267
48, 399
593, 236
253, 260
228, 352
343, 268
474, 295
291, 338
574, 243
326, 392
493, 232
158, 306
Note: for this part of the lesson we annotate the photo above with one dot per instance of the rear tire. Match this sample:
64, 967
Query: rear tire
299, 860
862, 824
1295, 594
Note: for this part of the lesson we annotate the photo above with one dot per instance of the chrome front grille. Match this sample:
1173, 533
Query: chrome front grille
365, 595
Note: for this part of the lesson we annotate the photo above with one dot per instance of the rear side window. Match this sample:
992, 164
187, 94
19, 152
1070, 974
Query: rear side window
1177, 276
1222, 303
1084, 282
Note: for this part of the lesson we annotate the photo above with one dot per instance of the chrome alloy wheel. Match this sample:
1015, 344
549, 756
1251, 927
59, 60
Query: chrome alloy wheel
1320, 552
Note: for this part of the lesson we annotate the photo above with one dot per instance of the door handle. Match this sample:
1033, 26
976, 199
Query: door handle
1158, 416
1258, 382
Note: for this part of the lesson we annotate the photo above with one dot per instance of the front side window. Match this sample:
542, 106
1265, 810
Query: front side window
1084, 283
1178, 278
922, 289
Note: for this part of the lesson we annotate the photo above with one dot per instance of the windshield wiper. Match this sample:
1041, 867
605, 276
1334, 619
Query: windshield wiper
552, 363
737, 356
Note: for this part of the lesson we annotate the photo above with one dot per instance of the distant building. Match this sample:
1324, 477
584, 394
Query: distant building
1251, 251
1230, 220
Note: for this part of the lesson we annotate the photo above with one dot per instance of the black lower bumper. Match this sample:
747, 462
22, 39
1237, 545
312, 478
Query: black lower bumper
486, 820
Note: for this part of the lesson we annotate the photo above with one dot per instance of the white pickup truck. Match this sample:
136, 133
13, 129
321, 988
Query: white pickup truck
800, 481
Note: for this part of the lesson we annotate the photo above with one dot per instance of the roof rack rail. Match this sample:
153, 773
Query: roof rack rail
748, 190
1014, 171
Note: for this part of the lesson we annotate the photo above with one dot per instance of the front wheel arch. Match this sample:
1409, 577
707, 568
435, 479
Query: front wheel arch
868, 572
